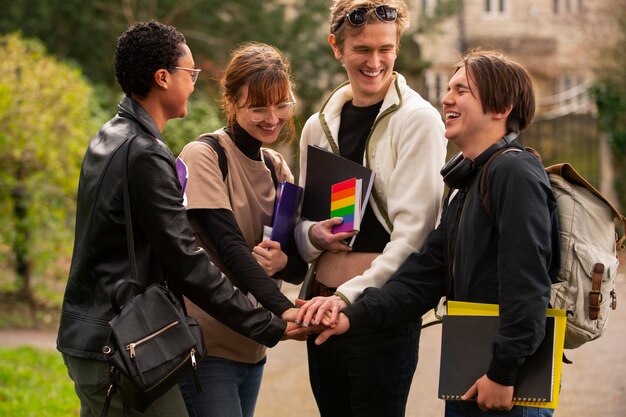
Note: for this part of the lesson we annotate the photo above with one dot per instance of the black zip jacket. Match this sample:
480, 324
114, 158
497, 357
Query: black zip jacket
510, 259
164, 243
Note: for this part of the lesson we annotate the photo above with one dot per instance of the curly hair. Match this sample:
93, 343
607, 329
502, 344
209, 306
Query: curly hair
266, 72
141, 50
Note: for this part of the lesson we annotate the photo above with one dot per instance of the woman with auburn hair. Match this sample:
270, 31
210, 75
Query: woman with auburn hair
230, 196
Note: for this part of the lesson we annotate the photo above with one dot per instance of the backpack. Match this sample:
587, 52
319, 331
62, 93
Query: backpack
221, 157
589, 243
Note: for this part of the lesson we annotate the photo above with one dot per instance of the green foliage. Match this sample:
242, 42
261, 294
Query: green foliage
610, 98
86, 32
203, 116
46, 116
609, 92
34, 383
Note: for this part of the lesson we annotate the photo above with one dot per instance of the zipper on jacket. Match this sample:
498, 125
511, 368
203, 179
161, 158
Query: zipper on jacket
131, 346
453, 235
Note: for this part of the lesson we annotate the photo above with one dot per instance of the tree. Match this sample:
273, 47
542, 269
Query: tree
46, 119
609, 91
86, 33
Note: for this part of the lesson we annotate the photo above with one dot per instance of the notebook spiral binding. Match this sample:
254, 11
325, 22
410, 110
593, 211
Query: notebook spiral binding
521, 399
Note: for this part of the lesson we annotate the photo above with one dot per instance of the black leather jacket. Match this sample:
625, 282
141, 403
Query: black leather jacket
164, 243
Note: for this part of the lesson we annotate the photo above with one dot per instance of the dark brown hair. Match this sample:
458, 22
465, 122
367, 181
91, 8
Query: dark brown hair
267, 74
501, 83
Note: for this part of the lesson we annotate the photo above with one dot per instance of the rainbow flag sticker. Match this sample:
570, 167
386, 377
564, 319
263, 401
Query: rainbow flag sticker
345, 202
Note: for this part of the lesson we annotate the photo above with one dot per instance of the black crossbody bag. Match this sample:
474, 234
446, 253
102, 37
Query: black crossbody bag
154, 344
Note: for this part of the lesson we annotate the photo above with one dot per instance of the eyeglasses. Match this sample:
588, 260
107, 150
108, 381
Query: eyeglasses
282, 111
358, 16
194, 72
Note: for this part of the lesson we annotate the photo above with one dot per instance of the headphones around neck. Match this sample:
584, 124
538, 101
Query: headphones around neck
458, 171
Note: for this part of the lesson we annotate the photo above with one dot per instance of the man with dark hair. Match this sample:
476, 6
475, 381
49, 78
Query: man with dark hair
156, 71
509, 258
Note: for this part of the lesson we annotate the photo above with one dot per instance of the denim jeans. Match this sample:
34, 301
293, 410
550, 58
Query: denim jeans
470, 409
91, 381
229, 388
364, 372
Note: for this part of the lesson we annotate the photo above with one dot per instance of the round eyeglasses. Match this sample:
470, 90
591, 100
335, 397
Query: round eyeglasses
194, 72
282, 111
358, 16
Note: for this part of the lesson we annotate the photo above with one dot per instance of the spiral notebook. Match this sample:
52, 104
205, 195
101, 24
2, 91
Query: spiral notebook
466, 351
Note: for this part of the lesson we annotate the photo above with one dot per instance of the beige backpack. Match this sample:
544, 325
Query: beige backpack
589, 242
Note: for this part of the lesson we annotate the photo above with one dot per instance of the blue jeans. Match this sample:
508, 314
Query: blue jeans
364, 372
470, 409
229, 388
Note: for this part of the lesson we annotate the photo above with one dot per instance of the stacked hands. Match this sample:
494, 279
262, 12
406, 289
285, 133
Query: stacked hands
319, 315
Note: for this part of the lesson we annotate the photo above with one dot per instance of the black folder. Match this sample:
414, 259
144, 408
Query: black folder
466, 344
323, 170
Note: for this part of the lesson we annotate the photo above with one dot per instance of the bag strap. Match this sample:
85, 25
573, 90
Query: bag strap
221, 155
568, 173
484, 181
127, 215
223, 163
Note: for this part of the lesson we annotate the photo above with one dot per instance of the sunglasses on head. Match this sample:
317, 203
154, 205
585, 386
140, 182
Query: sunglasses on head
358, 16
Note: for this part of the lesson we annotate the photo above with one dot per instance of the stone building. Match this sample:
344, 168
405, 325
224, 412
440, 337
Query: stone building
558, 41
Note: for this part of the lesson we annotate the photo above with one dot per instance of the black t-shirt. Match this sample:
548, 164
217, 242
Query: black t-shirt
356, 125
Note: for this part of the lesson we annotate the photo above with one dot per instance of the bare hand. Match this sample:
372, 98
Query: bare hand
294, 332
269, 255
320, 310
301, 333
491, 395
322, 236
342, 326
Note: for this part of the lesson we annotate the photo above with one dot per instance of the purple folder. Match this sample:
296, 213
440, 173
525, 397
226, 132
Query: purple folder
286, 212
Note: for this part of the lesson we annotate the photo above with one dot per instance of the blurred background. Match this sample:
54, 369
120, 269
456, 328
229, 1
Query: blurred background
57, 87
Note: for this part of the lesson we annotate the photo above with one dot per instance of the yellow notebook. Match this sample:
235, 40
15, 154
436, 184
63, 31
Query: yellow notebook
457, 308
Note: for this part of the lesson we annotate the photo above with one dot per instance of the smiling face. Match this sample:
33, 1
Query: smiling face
267, 130
467, 124
368, 55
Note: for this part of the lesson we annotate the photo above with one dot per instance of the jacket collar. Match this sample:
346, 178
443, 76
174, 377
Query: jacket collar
131, 109
330, 113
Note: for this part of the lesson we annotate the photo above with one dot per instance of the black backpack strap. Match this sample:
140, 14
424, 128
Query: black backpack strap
223, 163
270, 165
484, 180
221, 155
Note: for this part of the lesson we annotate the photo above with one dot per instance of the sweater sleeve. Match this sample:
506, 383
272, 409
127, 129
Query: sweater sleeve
220, 227
524, 220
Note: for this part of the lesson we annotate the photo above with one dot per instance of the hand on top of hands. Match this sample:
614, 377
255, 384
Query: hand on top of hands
328, 320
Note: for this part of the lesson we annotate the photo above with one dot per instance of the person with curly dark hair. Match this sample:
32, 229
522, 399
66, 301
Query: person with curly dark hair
156, 71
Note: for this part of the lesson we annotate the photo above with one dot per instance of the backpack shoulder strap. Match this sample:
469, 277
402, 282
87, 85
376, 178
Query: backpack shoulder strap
484, 180
270, 165
223, 163
221, 155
